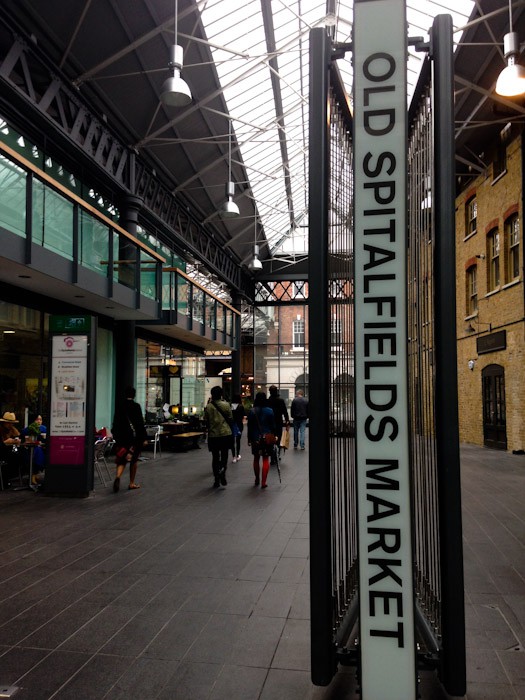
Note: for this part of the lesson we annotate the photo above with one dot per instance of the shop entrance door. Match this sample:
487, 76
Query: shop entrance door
494, 414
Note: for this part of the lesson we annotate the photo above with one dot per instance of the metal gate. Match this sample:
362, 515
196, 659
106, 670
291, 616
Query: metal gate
432, 392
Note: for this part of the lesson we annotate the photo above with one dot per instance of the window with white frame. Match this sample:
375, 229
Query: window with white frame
512, 245
472, 290
471, 216
493, 260
336, 333
298, 333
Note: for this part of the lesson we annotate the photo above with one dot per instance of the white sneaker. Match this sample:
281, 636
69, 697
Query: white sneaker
234, 460
239, 457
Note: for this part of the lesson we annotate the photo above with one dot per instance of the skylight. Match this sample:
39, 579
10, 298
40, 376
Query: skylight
273, 142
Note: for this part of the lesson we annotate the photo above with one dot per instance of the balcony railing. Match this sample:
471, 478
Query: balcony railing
41, 209
201, 309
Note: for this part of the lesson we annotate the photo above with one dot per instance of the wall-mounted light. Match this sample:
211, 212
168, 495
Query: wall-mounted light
175, 91
471, 364
511, 80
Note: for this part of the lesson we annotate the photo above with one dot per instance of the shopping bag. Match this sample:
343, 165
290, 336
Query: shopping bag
285, 439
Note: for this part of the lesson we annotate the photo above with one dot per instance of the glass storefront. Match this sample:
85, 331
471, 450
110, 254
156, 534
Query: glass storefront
169, 377
24, 349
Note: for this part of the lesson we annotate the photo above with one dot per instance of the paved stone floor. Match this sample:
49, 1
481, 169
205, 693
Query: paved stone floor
181, 592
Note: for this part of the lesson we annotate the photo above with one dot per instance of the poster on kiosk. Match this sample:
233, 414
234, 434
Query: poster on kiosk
72, 405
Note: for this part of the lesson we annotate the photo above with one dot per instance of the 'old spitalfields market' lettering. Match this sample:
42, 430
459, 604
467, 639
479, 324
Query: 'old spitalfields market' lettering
385, 543
380, 269
379, 266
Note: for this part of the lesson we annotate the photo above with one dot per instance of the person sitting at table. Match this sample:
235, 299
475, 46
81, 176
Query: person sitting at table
9, 434
36, 432
9, 444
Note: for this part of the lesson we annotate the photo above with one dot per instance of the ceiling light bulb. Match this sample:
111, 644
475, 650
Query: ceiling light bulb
255, 264
511, 80
230, 210
175, 91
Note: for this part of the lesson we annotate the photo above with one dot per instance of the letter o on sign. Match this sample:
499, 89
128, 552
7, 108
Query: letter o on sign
377, 76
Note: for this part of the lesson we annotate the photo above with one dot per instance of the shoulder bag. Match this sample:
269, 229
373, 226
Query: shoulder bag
268, 439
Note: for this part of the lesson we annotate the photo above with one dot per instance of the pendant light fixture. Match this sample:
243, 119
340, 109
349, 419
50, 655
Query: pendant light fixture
175, 91
255, 265
230, 210
511, 81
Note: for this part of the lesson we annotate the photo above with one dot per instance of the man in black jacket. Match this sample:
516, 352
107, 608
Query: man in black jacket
299, 411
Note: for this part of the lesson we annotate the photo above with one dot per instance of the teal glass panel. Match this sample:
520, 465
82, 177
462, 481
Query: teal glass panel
52, 220
221, 319
210, 312
94, 244
13, 197
126, 262
148, 276
198, 305
183, 287
167, 290
115, 249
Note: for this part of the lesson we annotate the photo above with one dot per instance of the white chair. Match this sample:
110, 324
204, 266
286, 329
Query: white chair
154, 432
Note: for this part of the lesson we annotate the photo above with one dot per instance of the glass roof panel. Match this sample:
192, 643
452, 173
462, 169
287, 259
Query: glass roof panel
273, 142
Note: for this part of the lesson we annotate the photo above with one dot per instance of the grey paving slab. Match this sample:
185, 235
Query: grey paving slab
180, 591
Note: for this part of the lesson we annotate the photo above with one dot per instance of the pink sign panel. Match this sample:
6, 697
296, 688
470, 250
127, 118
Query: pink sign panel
67, 449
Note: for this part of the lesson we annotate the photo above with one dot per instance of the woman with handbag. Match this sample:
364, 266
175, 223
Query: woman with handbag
219, 421
261, 436
130, 435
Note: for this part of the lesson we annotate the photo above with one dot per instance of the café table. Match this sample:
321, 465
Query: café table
30, 445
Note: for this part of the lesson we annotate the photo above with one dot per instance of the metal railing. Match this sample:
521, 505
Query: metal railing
435, 496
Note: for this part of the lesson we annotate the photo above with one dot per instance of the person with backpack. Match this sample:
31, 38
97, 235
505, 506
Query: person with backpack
261, 436
219, 422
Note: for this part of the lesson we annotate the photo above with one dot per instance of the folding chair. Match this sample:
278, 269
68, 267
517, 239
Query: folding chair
100, 446
110, 443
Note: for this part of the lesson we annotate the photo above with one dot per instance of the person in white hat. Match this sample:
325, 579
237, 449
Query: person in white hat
8, 433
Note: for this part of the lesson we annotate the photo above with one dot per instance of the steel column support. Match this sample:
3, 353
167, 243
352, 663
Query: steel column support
323, 663
447, 430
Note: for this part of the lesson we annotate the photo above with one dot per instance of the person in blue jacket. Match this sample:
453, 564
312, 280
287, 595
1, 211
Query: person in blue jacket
261, 421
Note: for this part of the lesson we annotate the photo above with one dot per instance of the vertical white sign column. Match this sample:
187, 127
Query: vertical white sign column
386, 599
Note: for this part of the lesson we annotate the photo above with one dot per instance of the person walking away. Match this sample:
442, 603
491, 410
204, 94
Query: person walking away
218, 416
130, 435
299, 411
238, 413
261, 421
276, 403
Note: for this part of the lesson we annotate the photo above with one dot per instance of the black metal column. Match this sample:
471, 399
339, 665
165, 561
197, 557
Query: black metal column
323, 664
236, 354
447, 430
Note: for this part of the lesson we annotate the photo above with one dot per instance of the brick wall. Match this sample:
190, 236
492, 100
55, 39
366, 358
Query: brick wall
500, 308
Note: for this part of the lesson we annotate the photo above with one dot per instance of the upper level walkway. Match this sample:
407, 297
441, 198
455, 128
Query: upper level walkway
179, 591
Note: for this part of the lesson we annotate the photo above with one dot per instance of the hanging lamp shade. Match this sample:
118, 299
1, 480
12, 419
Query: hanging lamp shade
511, 80
175, 91
229, 209
255, 264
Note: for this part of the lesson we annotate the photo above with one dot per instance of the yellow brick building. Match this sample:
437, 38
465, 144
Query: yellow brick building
491, 301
